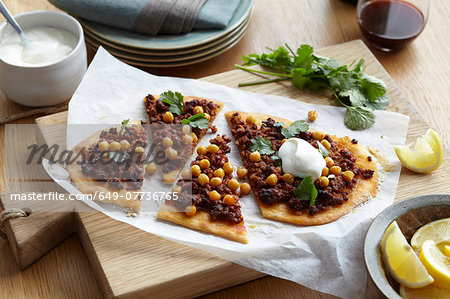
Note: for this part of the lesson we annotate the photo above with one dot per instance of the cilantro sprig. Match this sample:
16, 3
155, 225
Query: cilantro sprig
322, 150
293, 129
358, 92
197, 121
307, 191
174, 99
124, 124
262, 145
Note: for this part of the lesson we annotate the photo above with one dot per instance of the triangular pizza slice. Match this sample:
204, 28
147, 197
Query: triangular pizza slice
207, 196
301, 176
110, 165
178, 123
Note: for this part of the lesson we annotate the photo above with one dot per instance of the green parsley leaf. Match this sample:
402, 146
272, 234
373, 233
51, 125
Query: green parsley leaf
322, 150
262, 145
175, 100
294, 128
197, 121
357, 118
350, 86
124, 124
276, 159
307, 191
279, 124
118, 156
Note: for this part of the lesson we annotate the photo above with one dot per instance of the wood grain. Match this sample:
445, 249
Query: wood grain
420, 70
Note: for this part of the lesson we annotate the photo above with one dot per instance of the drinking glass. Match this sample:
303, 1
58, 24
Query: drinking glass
389, 25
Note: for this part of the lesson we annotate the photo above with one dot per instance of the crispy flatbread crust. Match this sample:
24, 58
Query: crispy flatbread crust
201, 222
89, 186
171, 176
362, 191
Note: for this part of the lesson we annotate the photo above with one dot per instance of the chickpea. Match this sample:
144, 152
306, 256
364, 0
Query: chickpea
190, 211
288, 178
348, 176
103, 146
186, 174
177, 189
312, 115
233, 184
198, 109
186, 129
228, 200
272, 179
323, 181
114, 146
326, 144
150, 168
245, 188
168, 117
250, 120
215, 181
194, 138
202, 150
228, 168
207, 116
219, 172
187, 139
106, 157
212, 148
124, 145
214, 195
318, 135
203, 179
167, 142
171, 153
325, 171
335, 170
195, 170
204, 163
139, 150
329, 162
283, 141
255, 157
241, 172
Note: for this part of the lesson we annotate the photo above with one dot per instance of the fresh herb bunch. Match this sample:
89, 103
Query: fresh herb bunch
358, 92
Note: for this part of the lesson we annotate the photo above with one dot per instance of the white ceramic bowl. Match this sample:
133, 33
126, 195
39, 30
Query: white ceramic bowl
50, 84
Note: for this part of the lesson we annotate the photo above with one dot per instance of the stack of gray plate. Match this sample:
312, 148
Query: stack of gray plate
169, 50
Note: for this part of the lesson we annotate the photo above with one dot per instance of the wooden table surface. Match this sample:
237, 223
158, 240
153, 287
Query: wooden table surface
421, 70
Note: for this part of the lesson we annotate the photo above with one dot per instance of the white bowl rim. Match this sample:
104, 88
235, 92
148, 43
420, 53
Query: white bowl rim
373, 236
79, 43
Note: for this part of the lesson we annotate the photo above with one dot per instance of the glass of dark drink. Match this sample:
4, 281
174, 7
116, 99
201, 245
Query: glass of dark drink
389, 25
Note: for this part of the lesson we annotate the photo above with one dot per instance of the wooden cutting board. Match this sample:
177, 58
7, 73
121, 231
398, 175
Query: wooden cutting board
129, 262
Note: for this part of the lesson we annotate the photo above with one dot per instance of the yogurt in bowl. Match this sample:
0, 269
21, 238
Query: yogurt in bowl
49, 68
46, 45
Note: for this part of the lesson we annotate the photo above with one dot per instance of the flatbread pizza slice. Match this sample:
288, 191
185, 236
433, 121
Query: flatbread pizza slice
110, 165
290, 181
179, 122
208, 197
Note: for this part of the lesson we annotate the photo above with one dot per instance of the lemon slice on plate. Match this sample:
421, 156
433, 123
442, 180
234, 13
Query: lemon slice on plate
437, 264
429, 291
401, 261
438, 231
426, 156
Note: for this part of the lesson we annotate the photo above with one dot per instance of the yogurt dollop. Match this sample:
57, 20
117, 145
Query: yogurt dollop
47, 45
301, 159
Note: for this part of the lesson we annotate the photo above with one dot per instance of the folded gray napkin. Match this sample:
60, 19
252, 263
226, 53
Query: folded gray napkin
154, 16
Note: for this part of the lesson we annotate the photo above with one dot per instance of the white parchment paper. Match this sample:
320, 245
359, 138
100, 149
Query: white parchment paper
327, 258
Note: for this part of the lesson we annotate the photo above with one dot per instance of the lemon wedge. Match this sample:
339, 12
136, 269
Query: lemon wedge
438, 231
401, 261
437, 264
447, 250
429, 291
426, 156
